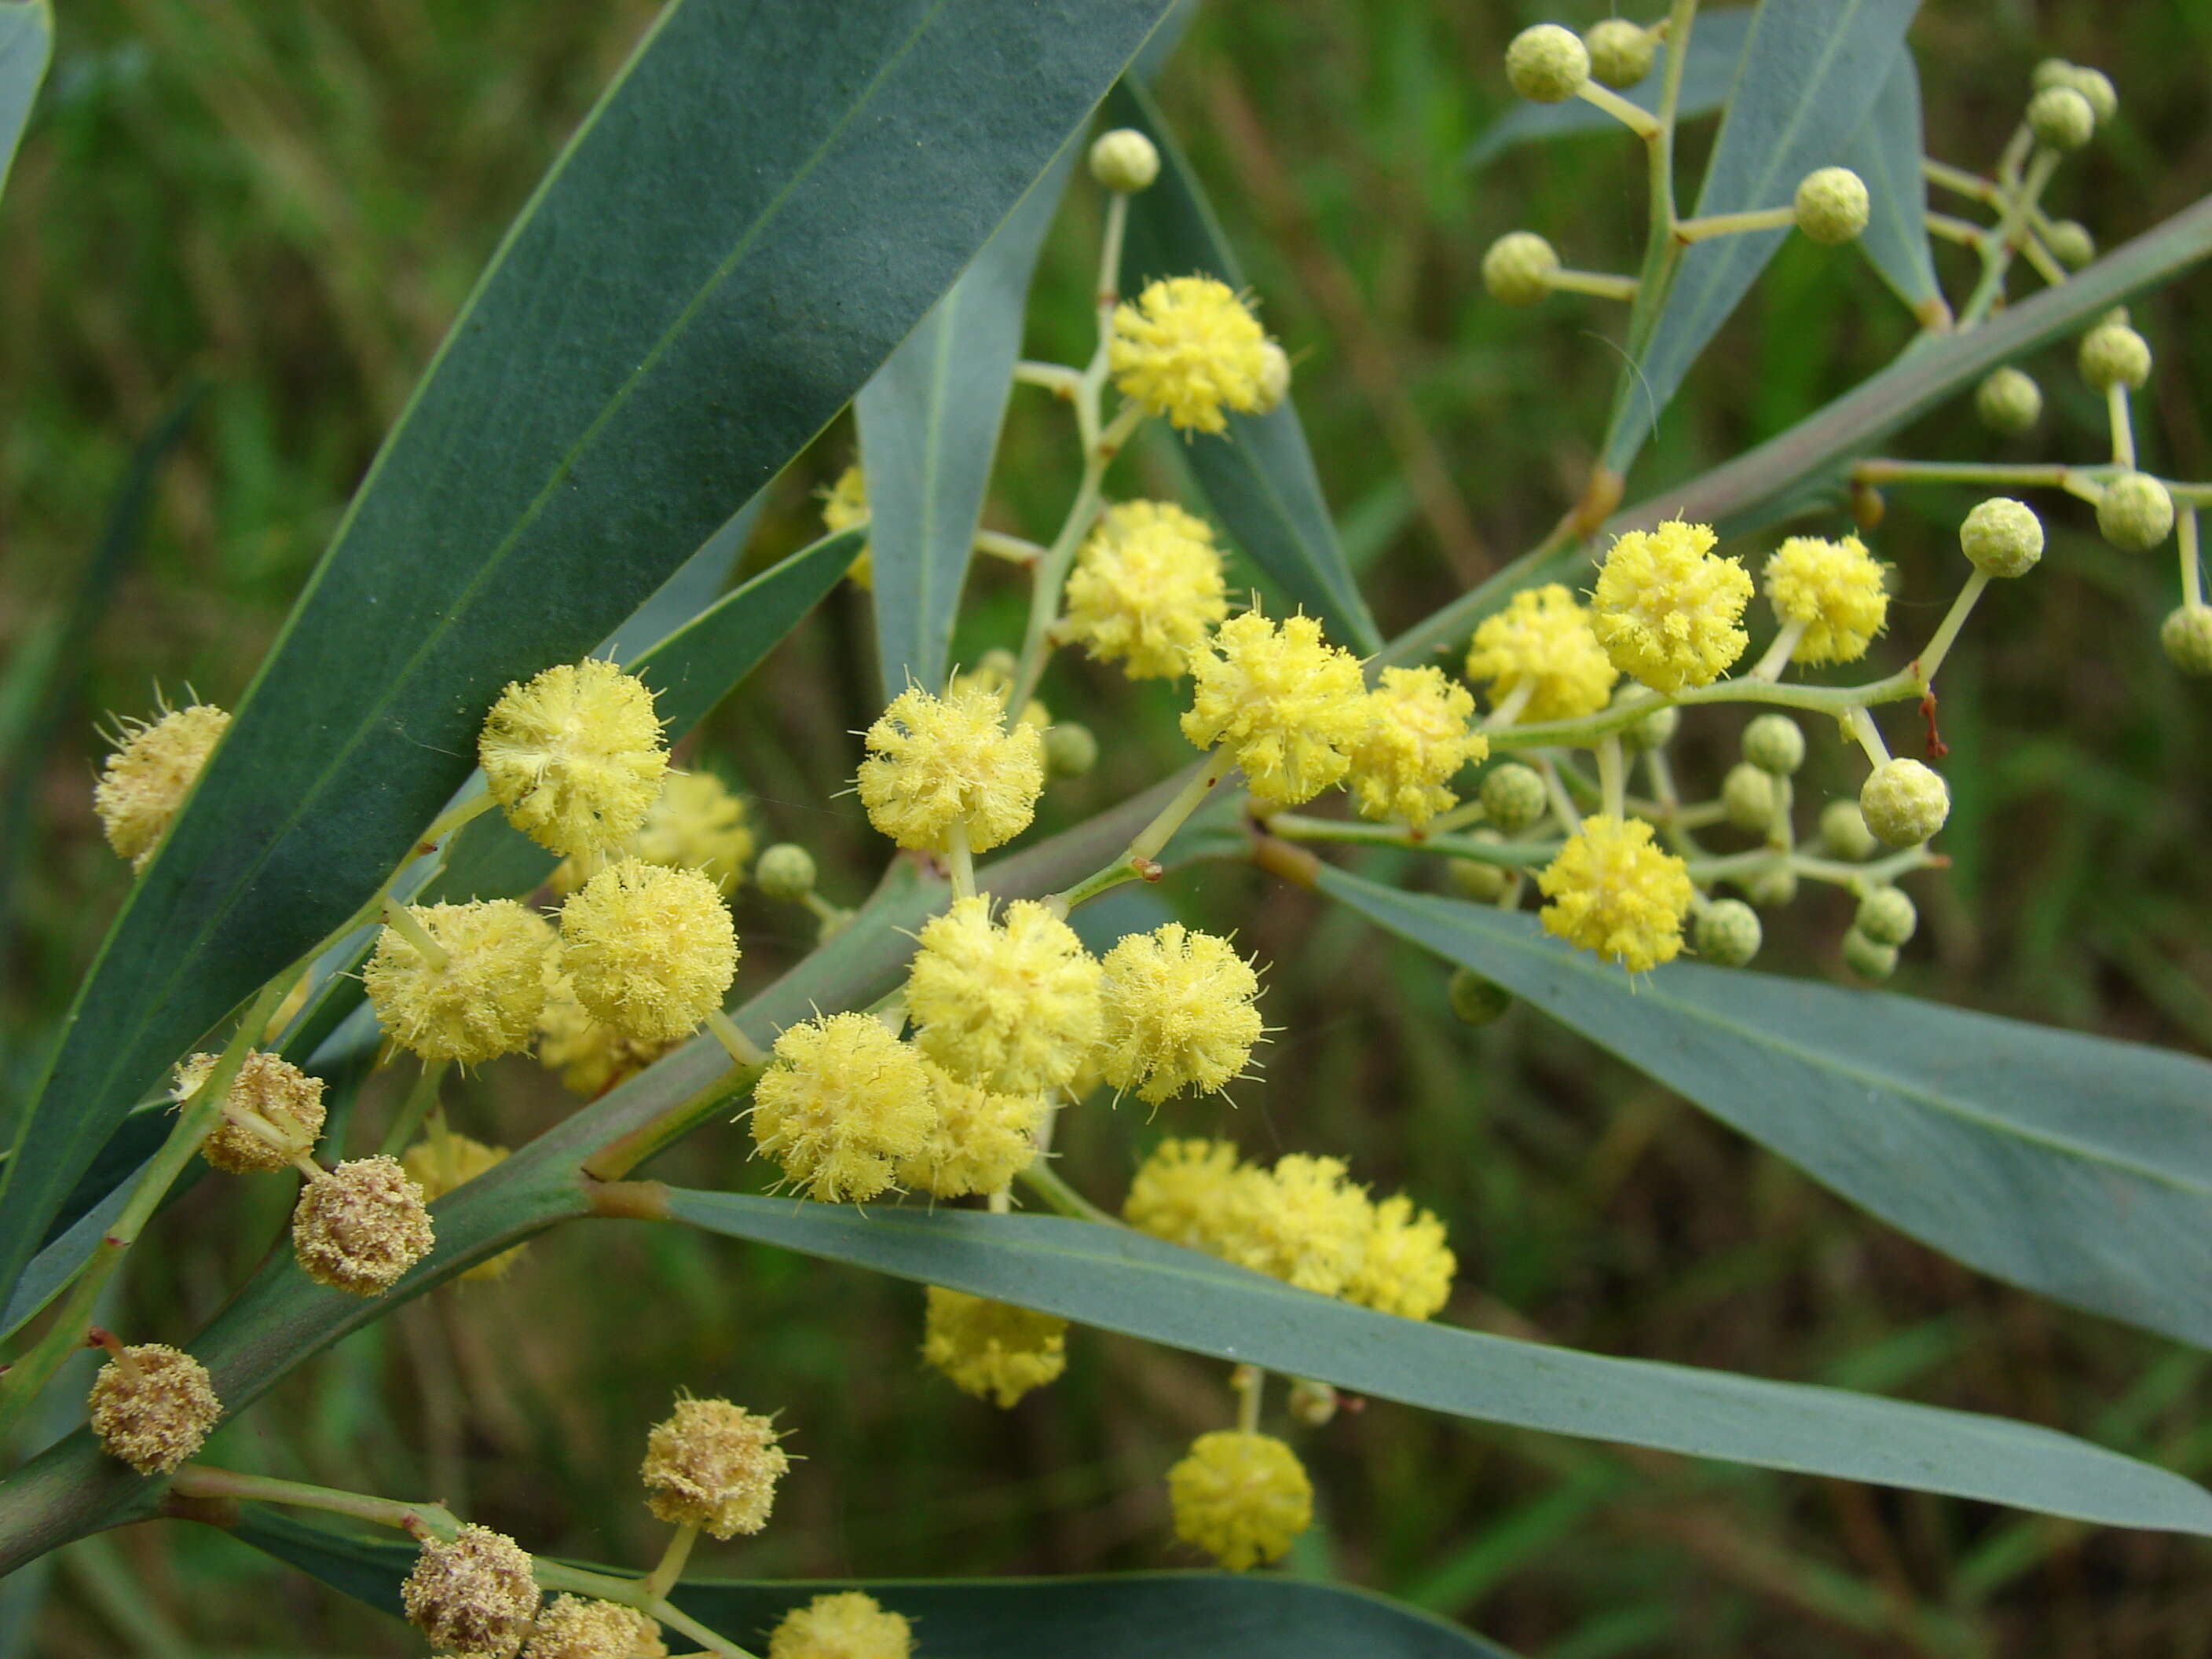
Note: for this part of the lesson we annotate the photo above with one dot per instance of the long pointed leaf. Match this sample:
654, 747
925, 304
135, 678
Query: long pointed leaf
26, 47
1885, 151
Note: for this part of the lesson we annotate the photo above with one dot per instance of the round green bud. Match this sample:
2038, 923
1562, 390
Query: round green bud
1274, 376
1776, 743
1904, 802
997, 664
1871, 962
1886, 916
2113, 354
2002, 536
2008, 401
1070, 750
1471, 878
2135, 513
1517, 269
1728, 933
2061, 118
1747, 797
1513, 796
1655, 731
2051, 72
2097, 86
2071, 243
784, 872
1475, 999
1771, 890
1832, 205
1547, 64
1619, 51
1124, 160
2117, 314
2185, 636
1844, 833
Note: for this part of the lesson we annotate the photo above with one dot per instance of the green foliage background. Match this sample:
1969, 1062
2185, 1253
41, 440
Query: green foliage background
284, 203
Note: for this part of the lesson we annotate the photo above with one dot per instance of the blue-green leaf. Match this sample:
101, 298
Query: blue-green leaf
26, 47
1885, 152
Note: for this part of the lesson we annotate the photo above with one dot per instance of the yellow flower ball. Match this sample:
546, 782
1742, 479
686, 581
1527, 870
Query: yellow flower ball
714, 1466
1612, 891
1667, 609
1181, 1193
992, 1350
1303, 1222
1240, 1498
152, 770
1836, 590
1285, 703
936, 761
649, 950
1543, 639
842, 1102
445, 1161
574, 758
1144, 589
697, 822
483, 1000
1420, 734
846, 1624
590, 1055
845, 504
995, 673
1188, 348
1405, 1267
1178, 1013
980, 1141
1012, 1005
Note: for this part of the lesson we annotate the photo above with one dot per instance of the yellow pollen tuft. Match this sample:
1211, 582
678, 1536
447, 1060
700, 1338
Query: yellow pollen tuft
1404, 1265
1543, 640
1302, 1222
933, 762
1013, 1005
1420, 734
1667, 611
1835, 589
1144, 589
845, 504
1187, 348
1613, 891
714, 1466
574, 758
696, 824
1178, 1013
445, 1161
1283, 701
1240, 1498
483, 1000
1182, 1192
991, 1350
841, 1104
980, 1141
995, 674
590, 1055
846, 1624
649, 950
147, 778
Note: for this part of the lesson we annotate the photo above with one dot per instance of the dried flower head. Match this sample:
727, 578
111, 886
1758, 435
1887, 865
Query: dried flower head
1145, 588
650, 950
842, 1102
476, 1595
933, 762
575, 755
445, 1161
590, 1056
1543, 640
1835, 589
715, 1466
1405, 1267
1178, 1013
1240, 1498
362, 1226
980, 1141
1284, 702
272, 1115
481, 1000
574, 1627
846, 1625
696, 822
1188, 348
1667, 609
1613, 891
1011, 1004
152, 770
153, 1406
1420, 734
990, 1349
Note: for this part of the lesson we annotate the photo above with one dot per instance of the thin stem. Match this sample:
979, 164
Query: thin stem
1251, 1385
1612, 775
740, 1047
2041, 257
1734, 224
1563, 805
1050, 574
421, 1095
205, 1481
1870, 736
619, 1157
1604, 284
959, 859
1882, 469
1511, 855
1015, 550
1055, 378
1954, 619
631, 1593
1838, 700
1637, 119
1958, 181
2192, 578
1770, 666
2124, 431
1146, 844
1661, 252
1509, 710
1042, 1180
401, 921
1951, 230
670, 1567
1996, 253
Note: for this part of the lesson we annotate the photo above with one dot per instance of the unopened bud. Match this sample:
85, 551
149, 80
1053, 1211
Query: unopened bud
1843, 831
1620, 51
2134, 513
1517, 269
1904, 802
1475, 999
1274, 376
1471, 878
2185, 636
1870, 961
2113, 354
1312, 1403
1547, 64
1513, 796
2002, 536
2008, 401
1747, 797
2061, 118
2071, 243
1771, 890
1832, 205
1070, 750
1124, 160
1886, 916
1728, 933
1776, 743
786, 872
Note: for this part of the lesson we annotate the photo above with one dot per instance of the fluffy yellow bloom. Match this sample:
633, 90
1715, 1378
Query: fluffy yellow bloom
842, 1102
1419, 732
980, 1142
1285, 703
1012, 1005
1835, 589
483, 1000
649, 950
1302, 1222
845, 504
1144, 589
1543, 640
848, 1625
152, 770
1404, 1265
574, 758
1613, 892
1178, 1013
936, 761
573, 1627
991, 1350
1240, 1498
696, 824
1182, 1192
590, 1056
1187, 348
272, 1115
715, 1466
445, 1161
1667, 610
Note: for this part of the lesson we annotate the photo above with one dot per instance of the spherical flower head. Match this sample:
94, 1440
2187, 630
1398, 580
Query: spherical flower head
1835, 589
153, 1407
992, 1350
697, 823
574, 1627
362, 1226
2002, 536
2134, 513
2185, 636
845, 504
1514, 797
2097, 86
1182, 1192
1179, 1014
273, 1114
1303, 1222
1656, 730
650, 950
1613, 892
1518, 267
2072, 244
1904, 802
1071, 749
1843, 832
979, 1141
933, 762
848, 1625
1472, 878
476, 1595
1832, 205
715, 1466
1886, 916
152, 770
1747, 797
1728, 933
483, 1000
995, 673
1667, 610
1012, 1005
1869, 959
1474, 999
1620, 51
1188, 348
1274, 376
2113, 354
445, 1161
1543, 636
590, 1055
1240, 1498
1546, 64
1146, 589
842, 1102
1405, 1268
1420, 734
1285, 704
2061, 118
786, 872
2008, 401
1124, 160
1774, 743
574, 757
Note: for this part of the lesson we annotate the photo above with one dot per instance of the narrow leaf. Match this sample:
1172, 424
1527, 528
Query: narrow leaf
689, 590
1885, 152
26, 47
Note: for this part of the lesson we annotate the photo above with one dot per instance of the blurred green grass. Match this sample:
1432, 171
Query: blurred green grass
285, 203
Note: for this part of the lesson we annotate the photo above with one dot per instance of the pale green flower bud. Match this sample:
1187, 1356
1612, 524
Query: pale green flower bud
2097, 86
1619, 51
2002, 536
1655, 731
784, 872
1747, 797
2061, 118
2113, 354
1844, 833
2051, 72
2135, 513
1070, 750
1775, 743
2185, 636
1475, 999
1871, 962
1904, 802
1771, 890
1547, 64
1124, 160
2071, 243
2008, 401
1728, 933
1886, 916
1513, 796
1832, 205
1274, 381
1517, 269
1471, 878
